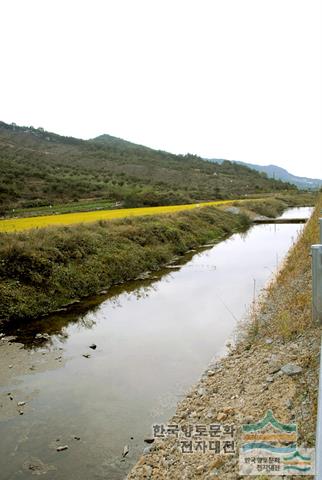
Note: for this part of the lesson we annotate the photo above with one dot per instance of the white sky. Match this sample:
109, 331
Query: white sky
236, 79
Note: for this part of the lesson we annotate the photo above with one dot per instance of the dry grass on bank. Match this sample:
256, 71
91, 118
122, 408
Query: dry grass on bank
285, 310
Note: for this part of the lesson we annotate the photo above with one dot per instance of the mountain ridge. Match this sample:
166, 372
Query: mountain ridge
280, 173
39, 168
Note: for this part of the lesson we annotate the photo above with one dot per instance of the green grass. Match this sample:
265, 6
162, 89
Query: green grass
274, 206
69, 207
42, 270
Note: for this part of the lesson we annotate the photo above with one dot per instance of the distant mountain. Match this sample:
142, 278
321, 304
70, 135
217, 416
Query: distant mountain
40, 168
279, 173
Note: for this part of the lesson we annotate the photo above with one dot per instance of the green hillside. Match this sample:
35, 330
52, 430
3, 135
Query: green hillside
41, 168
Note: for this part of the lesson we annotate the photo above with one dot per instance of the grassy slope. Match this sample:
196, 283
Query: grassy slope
273, 206
40, 272
40, 168
284, 314
286, 307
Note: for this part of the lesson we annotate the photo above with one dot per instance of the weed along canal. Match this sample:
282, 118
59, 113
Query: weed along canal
89, 382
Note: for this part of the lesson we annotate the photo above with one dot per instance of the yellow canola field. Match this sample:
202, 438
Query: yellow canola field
19, 224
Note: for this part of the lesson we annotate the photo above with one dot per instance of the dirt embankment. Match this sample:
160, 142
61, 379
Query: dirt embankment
273, 366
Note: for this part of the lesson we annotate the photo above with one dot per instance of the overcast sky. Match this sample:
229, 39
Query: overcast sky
236, 79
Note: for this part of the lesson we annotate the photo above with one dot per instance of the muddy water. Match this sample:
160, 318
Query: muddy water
154, 338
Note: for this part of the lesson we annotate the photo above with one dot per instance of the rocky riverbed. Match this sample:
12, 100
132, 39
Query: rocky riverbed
240, 389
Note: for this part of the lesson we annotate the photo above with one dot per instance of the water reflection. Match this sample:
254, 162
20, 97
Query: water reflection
297, 212
56, 324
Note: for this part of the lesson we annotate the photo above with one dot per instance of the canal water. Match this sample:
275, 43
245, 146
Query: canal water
297, 212
154, 339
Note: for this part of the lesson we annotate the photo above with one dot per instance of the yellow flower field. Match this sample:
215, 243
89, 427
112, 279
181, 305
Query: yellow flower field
19, 224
